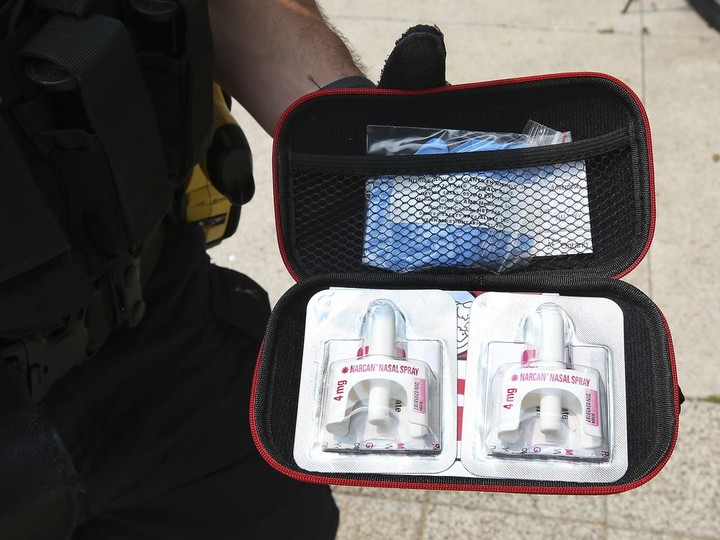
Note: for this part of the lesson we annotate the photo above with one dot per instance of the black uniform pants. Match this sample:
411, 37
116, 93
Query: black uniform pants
158, 425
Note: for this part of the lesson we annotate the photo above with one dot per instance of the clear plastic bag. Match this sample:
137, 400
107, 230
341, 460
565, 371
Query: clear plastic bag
495, 220
400, 140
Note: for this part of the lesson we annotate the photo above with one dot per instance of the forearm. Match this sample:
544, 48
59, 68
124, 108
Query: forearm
268, 53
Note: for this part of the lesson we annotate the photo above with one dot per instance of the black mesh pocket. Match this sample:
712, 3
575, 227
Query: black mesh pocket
490, 220
567, 206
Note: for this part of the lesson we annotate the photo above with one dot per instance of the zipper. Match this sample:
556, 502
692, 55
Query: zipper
567, 490
486, 161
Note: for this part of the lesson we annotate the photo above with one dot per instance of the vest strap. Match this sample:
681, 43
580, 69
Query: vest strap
96, 56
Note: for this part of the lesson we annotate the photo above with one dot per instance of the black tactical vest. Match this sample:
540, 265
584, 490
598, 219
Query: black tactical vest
105, 106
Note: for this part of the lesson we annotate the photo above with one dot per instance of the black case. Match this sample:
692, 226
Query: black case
320, 171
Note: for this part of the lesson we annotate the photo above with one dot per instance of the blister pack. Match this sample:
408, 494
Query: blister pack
378, 382
545, 393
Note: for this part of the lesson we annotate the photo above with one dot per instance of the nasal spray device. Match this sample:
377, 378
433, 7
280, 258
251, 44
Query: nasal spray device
551, 355
381, 400
546, 406
381, 344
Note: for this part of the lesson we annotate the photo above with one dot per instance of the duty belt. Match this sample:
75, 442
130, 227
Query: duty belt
44, 357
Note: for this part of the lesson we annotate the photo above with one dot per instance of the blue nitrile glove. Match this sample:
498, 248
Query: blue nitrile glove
403, 243
485, 144
404, 246
438, 146
433, 146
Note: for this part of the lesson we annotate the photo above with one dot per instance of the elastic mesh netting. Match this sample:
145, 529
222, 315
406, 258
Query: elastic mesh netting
567, 215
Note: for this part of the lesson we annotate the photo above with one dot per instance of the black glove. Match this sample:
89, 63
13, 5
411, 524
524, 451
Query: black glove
416, 62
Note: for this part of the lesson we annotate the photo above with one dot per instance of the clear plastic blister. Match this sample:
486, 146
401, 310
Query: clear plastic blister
377, 387
379, 400
545, 391
549, 402
539, 378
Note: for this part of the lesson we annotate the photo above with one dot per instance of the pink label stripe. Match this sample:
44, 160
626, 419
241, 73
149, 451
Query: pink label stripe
459, 423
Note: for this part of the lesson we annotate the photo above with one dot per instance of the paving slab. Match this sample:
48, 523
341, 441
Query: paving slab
684, 499
681, 96
414, 495
377, 517
449, 523
587, 509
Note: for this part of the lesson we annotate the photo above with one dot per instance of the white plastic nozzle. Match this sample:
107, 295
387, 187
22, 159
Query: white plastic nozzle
551, 337
551, 354
381, 329
380, 341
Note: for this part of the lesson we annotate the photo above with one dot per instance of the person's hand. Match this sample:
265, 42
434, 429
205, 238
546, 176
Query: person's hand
417, 61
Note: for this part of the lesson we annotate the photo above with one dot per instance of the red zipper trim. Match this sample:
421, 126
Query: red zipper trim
600, 490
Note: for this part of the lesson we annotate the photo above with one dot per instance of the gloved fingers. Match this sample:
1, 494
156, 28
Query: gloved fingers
417, 61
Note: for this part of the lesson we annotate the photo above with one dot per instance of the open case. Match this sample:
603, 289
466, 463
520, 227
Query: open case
328, 214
